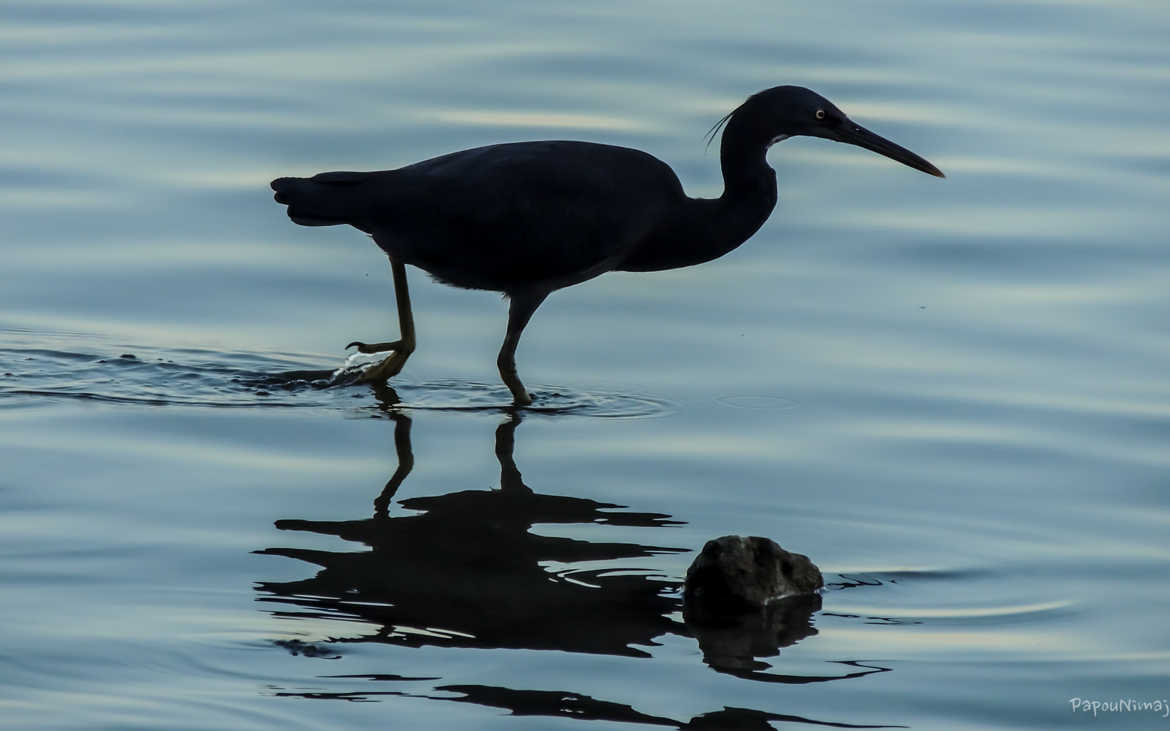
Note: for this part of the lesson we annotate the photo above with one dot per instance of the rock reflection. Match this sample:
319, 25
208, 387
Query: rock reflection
469, 572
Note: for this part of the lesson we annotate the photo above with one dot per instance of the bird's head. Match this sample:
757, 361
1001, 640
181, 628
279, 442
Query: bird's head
781, 112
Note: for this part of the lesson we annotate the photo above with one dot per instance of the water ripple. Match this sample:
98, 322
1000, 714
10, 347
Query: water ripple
194, 377
458, 395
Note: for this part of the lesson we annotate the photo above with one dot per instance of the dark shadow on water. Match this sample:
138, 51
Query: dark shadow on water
469, 571
562, 704
573, 705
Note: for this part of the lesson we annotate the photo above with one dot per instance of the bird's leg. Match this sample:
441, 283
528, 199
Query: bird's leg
391, 366
510, 478
405, 464
520, 311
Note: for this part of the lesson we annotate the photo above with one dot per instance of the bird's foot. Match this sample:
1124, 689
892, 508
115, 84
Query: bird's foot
520, 395
385, 370
395, 345
389, 367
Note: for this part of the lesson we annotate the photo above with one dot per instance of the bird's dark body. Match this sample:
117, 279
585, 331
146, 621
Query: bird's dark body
528, 218
511, 216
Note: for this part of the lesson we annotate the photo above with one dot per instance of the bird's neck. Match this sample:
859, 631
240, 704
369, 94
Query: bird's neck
749, 184
704, 229
749, 194
749, 190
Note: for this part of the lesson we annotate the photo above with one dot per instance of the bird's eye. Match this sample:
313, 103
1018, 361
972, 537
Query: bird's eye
820, 114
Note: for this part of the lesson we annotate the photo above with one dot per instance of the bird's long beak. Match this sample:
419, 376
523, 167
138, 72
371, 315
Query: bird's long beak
855, 134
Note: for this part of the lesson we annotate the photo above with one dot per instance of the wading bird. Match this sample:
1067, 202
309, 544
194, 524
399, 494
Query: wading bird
528, 218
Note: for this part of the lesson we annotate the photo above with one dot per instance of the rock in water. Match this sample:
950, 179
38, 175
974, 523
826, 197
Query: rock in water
735, 574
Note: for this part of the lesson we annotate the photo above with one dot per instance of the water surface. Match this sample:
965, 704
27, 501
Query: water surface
951, 395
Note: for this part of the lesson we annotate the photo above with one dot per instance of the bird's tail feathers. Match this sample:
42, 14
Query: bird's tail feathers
326, 199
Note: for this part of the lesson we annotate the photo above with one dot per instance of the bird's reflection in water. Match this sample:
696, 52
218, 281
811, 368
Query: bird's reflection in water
467, 572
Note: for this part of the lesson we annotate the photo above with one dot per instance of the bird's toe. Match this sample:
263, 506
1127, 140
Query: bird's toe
376, 347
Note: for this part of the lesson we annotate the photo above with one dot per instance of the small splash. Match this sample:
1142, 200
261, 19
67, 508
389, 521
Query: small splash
354, 366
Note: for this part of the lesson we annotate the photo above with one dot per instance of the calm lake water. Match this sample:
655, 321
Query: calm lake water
953, 395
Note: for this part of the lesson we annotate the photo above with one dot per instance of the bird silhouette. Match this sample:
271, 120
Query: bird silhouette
528, 218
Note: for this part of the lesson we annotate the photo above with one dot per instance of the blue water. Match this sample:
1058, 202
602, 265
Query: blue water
951, 394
